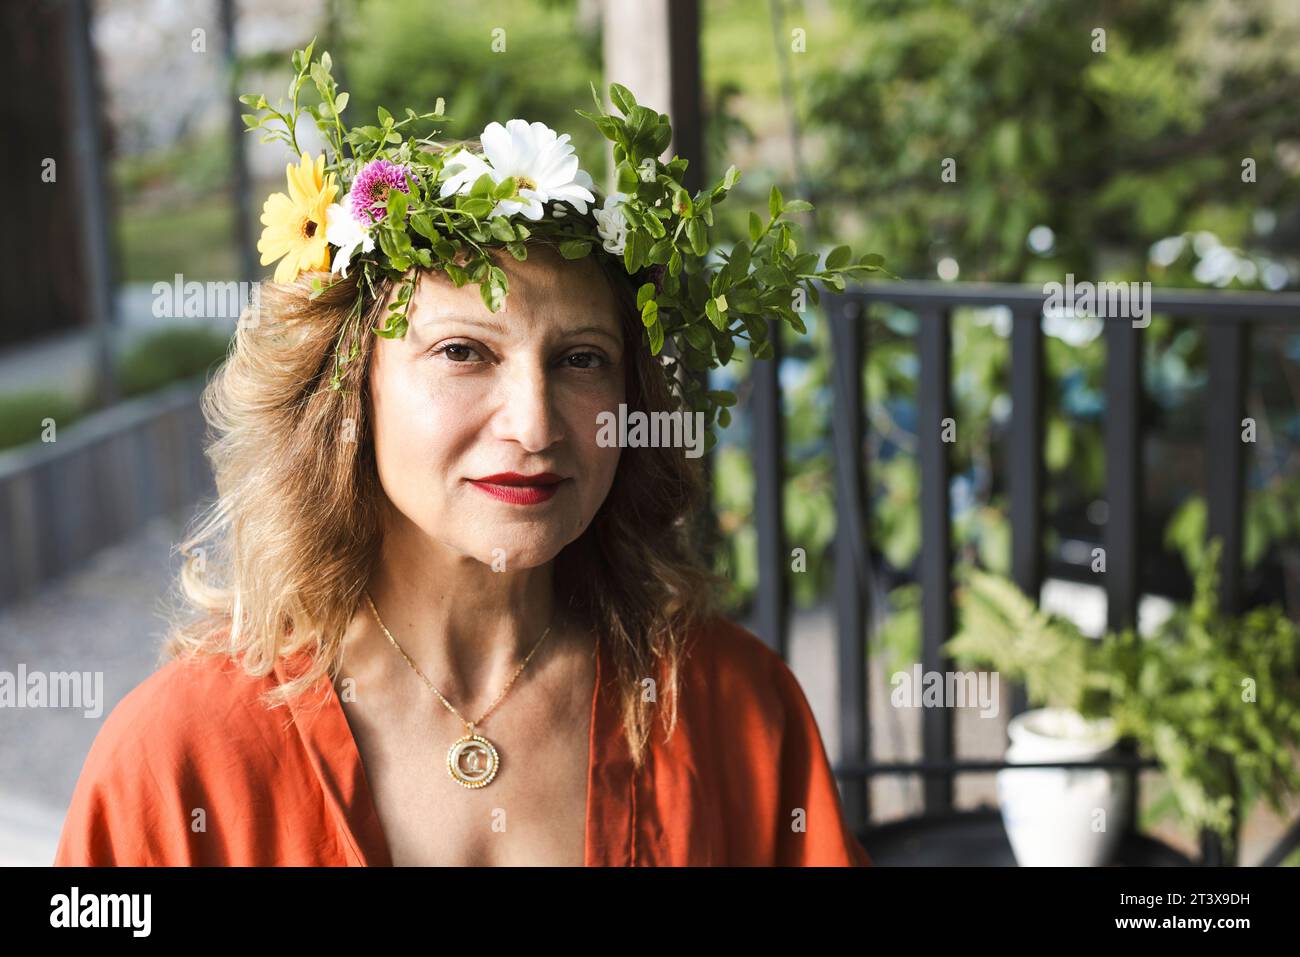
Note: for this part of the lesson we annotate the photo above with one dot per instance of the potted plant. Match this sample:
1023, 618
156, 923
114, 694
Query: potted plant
1214, 699
1053, 816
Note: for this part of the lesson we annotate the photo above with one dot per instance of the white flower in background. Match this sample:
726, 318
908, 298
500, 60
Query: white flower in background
542, 163
343, 230
611, 224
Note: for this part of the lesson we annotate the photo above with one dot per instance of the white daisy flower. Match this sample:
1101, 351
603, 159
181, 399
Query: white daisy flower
542, 163
461, 169
343, 230
611, 224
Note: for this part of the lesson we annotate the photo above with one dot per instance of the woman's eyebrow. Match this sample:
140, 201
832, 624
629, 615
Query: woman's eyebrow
598, 330
500, 328
494, 324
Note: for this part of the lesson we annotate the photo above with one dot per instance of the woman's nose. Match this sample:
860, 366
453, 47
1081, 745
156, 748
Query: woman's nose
527, 413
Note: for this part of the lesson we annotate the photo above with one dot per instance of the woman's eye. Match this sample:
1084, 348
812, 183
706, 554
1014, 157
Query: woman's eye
584, 360
457, 352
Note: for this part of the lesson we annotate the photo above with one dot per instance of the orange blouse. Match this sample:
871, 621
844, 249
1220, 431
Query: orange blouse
287, 787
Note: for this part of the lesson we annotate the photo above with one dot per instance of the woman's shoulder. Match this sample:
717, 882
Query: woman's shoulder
192, 713
193, 739
733, 649
732, 668
753, 737
184, 696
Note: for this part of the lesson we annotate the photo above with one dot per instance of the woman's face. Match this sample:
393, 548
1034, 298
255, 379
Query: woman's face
485, 423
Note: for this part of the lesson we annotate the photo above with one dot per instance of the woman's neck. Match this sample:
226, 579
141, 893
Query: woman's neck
466, 625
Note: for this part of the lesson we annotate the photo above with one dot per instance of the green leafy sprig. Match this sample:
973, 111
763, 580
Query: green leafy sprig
700, 305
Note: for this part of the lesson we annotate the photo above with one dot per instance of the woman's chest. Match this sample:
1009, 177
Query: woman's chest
532, 812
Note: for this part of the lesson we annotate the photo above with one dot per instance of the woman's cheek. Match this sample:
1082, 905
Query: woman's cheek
440, 406
427, 419
598, 462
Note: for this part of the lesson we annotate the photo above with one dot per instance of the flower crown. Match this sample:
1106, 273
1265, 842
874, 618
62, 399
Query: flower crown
413, 202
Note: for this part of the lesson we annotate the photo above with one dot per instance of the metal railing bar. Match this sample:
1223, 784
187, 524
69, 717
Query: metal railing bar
1189, 303
1025, 462
1226, 347
951, 767
850, 549
934, 432
771, 601
1123, 449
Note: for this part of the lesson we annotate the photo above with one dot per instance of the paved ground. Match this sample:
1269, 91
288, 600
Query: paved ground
104, 618
109, 617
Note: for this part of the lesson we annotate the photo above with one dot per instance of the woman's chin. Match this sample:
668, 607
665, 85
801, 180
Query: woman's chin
512, 546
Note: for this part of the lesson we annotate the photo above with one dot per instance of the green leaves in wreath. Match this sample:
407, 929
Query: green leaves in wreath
704, 300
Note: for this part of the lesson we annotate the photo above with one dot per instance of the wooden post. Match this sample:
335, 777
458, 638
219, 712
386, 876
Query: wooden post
239, 181
36, 162
652, 47
88, 157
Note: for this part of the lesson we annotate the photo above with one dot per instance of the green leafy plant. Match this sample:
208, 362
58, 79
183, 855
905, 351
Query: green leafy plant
1003, 629
1271, 516
1214, 698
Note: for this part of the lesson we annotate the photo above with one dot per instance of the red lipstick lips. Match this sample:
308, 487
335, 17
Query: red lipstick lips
516, 489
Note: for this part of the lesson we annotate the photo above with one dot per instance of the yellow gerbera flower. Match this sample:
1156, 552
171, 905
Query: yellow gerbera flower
295, 224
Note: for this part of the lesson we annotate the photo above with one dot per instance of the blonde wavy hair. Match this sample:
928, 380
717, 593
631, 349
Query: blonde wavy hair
293, 535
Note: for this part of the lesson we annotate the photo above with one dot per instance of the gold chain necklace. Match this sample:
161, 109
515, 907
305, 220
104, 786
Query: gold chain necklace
473, 760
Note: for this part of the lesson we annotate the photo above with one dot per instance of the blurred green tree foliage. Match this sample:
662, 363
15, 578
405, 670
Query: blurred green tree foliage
1136, 141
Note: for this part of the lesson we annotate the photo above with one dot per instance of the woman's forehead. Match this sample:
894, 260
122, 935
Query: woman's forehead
559, 294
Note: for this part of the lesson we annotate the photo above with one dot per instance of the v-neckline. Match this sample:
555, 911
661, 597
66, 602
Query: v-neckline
336, 757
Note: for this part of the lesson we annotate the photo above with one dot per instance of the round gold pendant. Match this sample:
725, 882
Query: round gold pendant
473, 761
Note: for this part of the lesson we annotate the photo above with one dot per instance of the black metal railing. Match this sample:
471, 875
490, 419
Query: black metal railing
1229, 317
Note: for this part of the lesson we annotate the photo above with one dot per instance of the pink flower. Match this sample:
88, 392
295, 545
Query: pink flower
373, 184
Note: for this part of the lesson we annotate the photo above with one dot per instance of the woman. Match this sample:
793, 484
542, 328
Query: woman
442, 620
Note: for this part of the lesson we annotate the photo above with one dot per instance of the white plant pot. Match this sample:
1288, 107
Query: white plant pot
1060, 817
